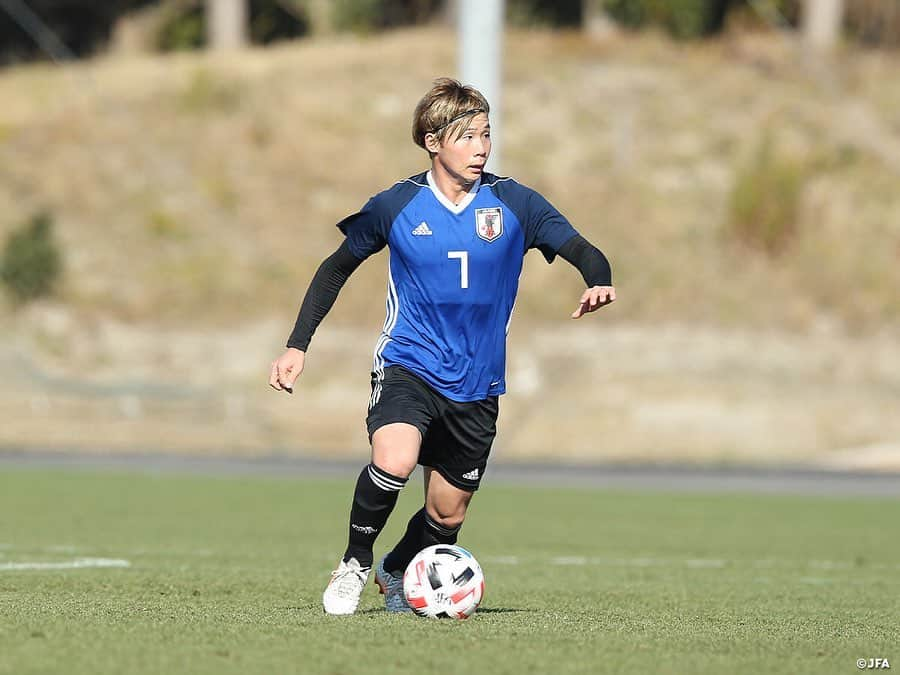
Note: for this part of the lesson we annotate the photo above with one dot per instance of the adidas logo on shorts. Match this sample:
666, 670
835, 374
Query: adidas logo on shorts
422, 230
472, 475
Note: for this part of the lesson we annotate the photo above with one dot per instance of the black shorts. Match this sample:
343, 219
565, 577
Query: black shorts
456, 437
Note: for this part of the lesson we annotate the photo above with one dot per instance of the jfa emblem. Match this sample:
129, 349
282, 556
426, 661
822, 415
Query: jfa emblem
489, 223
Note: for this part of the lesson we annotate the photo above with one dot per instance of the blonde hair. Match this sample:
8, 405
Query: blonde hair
446, 110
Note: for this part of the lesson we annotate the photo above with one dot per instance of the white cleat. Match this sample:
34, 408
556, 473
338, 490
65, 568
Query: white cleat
342, 593
392, 589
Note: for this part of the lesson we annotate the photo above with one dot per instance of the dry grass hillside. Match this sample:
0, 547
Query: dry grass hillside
194, 196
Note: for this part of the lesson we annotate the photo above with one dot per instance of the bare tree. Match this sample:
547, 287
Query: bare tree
450, 12
226, 23
822, 21
321, 16
596, 21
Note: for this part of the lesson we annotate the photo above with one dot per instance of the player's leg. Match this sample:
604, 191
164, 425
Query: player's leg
444, 512
395, 451
438, 522
454, 456
445, 509
395, 426
395, 448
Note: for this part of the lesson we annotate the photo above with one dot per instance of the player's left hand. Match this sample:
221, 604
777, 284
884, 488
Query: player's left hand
593, 299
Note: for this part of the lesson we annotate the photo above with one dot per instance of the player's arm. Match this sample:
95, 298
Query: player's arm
320, 297
547, 230
595, 269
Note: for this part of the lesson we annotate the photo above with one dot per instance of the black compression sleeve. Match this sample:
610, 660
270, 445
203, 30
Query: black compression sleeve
323, 291
590, 261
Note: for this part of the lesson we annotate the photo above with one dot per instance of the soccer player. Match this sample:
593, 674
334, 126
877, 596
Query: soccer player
457, 236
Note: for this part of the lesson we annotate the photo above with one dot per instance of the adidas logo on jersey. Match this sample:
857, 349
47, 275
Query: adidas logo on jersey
422, 230
472, 475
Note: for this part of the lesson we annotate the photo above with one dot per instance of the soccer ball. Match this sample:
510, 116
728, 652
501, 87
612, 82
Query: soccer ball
444, 581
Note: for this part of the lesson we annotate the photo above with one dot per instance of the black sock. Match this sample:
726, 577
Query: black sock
435, 533
373, 500
397, 560
421, 532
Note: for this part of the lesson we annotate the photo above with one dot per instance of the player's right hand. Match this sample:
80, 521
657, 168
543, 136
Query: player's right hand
286, 369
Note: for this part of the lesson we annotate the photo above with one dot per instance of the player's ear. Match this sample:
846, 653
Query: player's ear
432, 143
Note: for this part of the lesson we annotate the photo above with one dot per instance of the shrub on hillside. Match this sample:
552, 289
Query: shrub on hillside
682, 18
556, 13
870, 22
181, 28
359, 16
31, 262
874, 22
765, 200
182, 23
370, 15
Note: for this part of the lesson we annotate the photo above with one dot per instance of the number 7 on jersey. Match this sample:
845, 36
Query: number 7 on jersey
463, 257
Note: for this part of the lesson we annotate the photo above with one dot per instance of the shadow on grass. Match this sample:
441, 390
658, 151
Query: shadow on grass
502, 610
381, 610
481, 610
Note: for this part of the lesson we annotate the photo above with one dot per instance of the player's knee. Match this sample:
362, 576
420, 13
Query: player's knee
395, 448
449, 519
395, 467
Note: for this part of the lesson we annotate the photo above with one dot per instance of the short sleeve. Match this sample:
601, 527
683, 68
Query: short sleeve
367, 230
546, 229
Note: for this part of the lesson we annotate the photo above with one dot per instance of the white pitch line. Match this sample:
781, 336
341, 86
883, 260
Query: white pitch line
569, 560
690, 563
61, 548
646, 562
79, 563
704, 562
830, 565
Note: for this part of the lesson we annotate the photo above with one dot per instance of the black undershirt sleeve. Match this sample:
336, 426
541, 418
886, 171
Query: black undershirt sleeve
323, 291
590, 261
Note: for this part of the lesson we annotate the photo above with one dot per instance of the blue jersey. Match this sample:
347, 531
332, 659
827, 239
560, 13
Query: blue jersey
453, 276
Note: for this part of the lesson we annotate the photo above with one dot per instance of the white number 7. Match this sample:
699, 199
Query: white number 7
463, 257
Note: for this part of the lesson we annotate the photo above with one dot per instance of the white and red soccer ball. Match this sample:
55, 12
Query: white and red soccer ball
444, 581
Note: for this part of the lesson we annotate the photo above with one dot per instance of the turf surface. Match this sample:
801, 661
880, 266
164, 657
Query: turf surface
225, 576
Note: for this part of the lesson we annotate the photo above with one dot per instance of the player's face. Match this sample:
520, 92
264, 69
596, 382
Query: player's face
464, 157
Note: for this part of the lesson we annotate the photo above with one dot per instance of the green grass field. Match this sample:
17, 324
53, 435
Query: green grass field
225, 575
